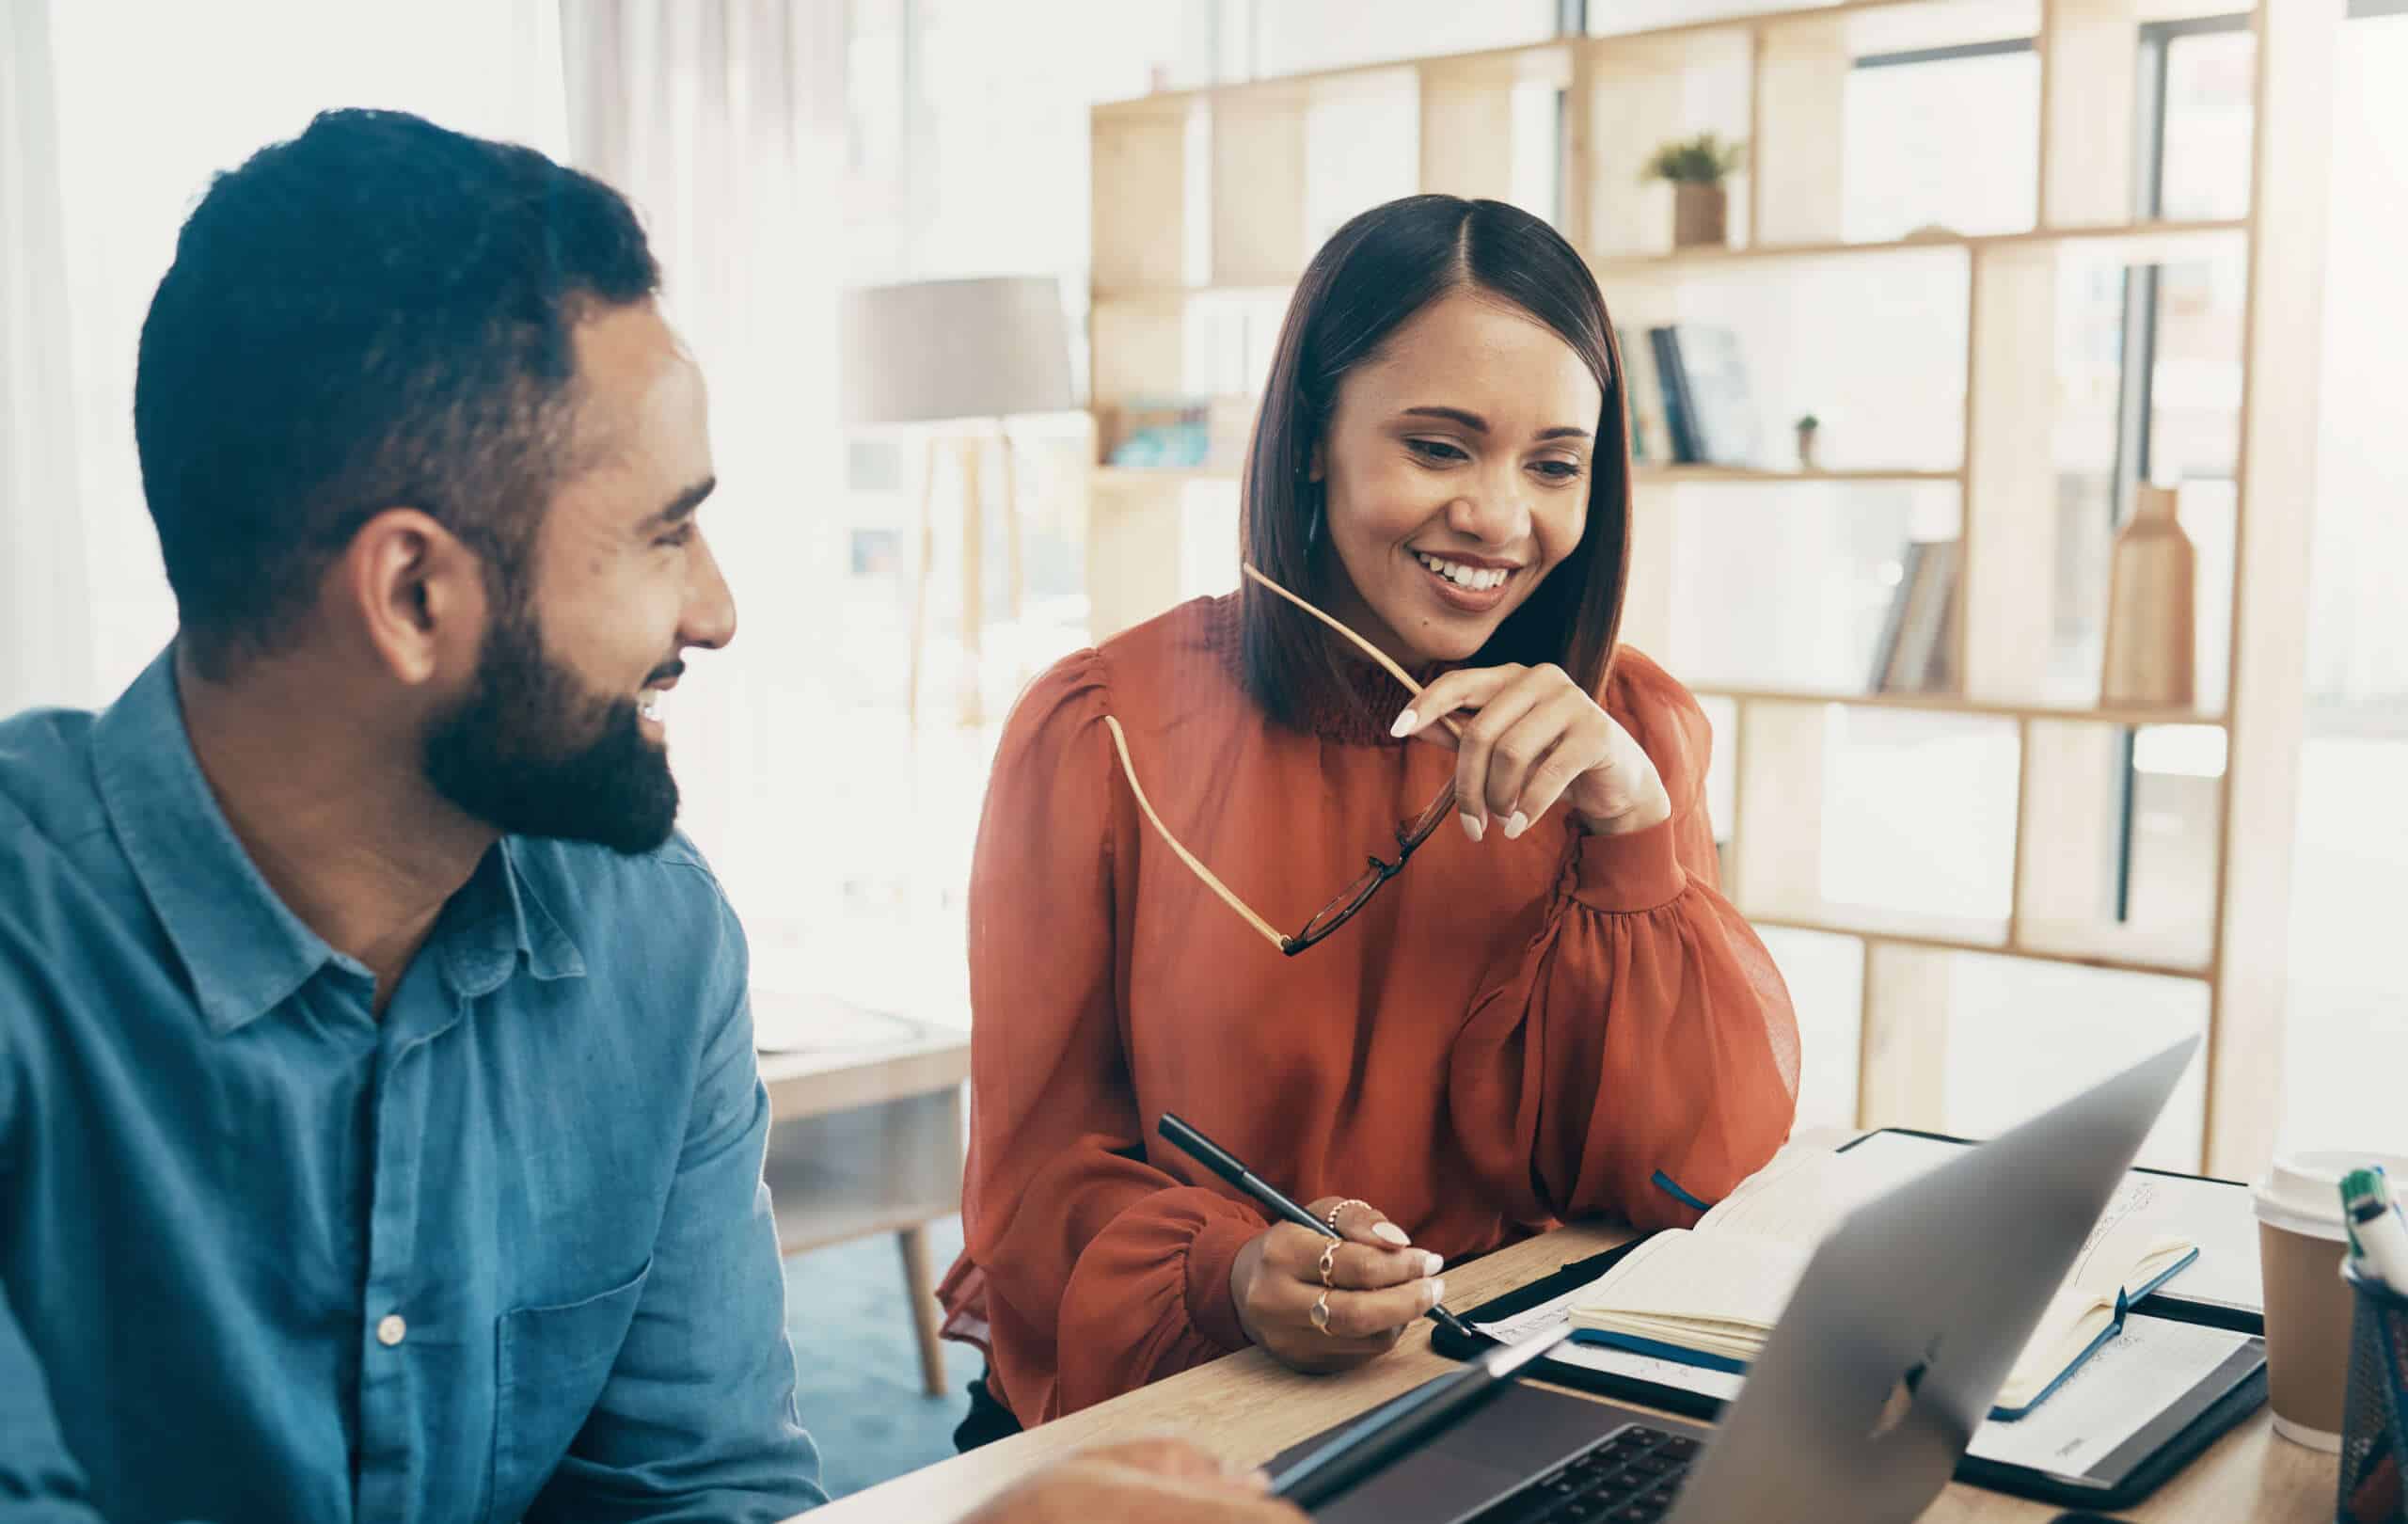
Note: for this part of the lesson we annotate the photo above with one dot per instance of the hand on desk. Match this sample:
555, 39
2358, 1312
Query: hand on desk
1376, 1288
1143, 1482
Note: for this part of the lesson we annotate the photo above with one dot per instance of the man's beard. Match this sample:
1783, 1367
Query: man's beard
507, 755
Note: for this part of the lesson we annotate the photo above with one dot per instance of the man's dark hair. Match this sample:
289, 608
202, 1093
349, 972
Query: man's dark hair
375, 314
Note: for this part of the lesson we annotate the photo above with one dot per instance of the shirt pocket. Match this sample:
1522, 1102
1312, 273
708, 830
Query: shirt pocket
550, 1364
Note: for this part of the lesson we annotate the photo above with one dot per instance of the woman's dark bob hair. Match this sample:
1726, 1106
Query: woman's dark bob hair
1372, 275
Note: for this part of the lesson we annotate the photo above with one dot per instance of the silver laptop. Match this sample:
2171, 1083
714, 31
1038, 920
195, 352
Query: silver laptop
1885, 1361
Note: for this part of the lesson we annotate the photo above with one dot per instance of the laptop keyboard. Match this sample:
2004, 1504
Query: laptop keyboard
1629, 1477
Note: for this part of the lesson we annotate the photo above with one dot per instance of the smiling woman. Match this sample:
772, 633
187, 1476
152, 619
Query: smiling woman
1511, 1027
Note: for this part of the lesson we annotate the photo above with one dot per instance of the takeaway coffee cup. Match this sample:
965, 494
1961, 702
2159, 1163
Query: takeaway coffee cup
2301, 1244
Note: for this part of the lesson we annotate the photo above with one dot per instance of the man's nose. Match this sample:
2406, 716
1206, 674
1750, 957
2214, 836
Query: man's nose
710, 619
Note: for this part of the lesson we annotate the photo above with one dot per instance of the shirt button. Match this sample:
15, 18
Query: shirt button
391, 1330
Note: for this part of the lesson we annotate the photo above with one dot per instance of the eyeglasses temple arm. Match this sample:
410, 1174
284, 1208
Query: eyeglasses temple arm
1367, 648
1120, 743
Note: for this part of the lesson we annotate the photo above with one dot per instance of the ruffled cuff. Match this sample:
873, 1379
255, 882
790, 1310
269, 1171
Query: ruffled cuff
1210, 1309
1621, 875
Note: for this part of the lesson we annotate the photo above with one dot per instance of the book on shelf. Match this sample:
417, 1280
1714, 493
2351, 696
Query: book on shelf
1709, 405
1651, 439
1177, 433
1916, 651
1681, 443
1709, 1295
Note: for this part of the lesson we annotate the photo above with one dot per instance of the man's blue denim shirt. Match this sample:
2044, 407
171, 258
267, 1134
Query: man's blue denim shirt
265, 1257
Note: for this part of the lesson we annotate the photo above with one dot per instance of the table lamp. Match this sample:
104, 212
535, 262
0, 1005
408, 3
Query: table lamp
965, 356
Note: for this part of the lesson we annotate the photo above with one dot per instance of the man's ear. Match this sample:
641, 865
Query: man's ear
417, 591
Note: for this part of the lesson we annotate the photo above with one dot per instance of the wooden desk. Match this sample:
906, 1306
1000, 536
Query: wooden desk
866, 1137
1249, 1408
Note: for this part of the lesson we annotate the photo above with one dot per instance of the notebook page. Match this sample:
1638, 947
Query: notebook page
2125, 1251
1805, 1192
1717, 1289
1679, 1286
2216, 1214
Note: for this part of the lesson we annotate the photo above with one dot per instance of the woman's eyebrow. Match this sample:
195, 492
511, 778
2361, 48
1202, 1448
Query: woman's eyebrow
1479, 425
1470, 420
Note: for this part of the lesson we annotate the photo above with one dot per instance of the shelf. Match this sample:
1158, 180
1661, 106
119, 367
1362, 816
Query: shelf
1749, 20
1177, 296
2135, 243
1508, 56
1164, 476
2139, 240
1904, 930
1676, 475
1957, 704
1653, 475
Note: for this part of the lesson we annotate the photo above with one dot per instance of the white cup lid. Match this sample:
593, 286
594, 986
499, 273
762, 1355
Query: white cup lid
2302, 1192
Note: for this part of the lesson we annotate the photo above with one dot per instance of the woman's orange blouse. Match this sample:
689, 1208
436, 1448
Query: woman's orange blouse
1512, 1033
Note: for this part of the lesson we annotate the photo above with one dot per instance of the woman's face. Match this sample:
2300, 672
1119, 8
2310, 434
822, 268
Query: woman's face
1456, 472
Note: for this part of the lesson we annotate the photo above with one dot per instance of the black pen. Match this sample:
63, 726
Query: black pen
1227, 1164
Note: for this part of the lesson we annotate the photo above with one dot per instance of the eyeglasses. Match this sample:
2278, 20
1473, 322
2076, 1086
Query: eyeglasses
1341, 906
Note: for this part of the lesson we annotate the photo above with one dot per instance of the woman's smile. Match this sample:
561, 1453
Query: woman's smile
1465, 584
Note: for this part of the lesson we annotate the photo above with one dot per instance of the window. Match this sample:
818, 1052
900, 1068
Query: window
141, 129
1929, 141
2347, 999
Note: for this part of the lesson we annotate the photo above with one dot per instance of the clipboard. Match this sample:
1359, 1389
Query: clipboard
2162, 1447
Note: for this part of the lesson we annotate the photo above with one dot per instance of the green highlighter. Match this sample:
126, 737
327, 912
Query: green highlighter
2378, 1237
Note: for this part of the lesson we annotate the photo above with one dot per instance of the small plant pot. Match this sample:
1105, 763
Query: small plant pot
1700, 215
1806, 449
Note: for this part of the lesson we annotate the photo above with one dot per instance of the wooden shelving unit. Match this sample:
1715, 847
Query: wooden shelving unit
2113, 714
1207, 203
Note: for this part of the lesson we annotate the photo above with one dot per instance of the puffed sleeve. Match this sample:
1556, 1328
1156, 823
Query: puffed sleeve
1637, 1055
1086, 1272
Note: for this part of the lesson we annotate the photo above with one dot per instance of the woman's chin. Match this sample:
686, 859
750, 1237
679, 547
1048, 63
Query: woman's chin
1449, 644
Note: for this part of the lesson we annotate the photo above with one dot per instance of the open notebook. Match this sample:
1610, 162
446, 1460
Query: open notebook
1710, 1295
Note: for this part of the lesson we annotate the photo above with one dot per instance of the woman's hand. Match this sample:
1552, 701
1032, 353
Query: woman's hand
1377, 1286
1532, 737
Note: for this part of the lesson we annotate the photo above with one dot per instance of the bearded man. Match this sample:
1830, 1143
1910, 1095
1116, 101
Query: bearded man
380, 1133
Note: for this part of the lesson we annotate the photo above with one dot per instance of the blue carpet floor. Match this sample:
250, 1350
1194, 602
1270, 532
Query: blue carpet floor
857, 1363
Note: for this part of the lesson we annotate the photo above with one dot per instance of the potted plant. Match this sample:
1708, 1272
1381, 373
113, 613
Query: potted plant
1696, 167
1806, 427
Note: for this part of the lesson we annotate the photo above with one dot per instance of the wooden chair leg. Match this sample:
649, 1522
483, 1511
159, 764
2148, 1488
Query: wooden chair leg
921, 1288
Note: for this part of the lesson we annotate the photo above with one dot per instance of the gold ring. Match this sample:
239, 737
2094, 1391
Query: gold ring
1338, 1208
1321, 1314
1329, 1264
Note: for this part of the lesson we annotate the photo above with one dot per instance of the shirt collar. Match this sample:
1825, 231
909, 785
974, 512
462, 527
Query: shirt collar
495, 920
244, 949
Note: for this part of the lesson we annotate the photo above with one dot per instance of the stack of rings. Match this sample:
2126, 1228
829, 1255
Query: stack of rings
1329, 1268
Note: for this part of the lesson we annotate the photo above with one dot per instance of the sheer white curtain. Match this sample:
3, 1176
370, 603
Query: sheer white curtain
724, 120
721, 119
144, 102
45, 634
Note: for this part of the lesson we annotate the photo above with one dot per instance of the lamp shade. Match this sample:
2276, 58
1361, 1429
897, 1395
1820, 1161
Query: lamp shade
935, 350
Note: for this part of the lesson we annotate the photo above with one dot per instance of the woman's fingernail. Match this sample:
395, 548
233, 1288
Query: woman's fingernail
1516, 825
1259, 1479
1437, 1292
1436, 1265
1404, 726
1472, 826
1393, 1234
